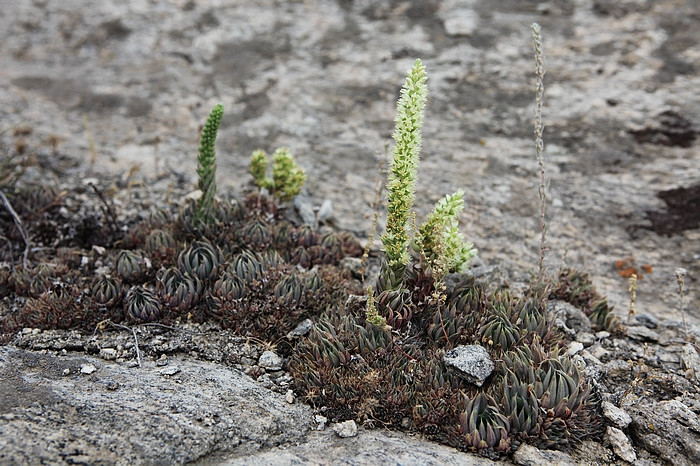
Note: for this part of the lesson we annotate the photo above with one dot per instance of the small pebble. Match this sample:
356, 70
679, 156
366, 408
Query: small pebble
108, 353
574, 347
169, 371
111, 384
621, 444
66, 371
289, 397
585, 338
162, 361
271, 361
321, 421
616, 415
87, 369
345, 429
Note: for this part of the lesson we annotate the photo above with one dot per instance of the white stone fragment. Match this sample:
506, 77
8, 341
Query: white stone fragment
616, 415
621, 445
574, 348
87, 369
345, 429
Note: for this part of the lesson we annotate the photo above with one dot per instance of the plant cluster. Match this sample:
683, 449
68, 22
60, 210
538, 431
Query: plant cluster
242, 264
237, 262
358, 370
386, 364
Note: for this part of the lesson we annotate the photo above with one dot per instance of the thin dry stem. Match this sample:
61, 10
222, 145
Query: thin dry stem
539, 144
633, 296
375, 208
19, 225
680, 278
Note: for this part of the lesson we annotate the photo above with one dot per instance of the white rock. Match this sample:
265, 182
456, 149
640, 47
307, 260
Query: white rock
574, 348
289, 396
321, 421
169, 371
345, 429
621, 444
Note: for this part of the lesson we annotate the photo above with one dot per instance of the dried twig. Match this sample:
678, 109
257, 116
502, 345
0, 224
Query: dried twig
106, 210
680, 279
19, 225
101, 326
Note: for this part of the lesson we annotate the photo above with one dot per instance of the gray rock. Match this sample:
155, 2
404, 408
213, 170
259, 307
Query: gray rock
109, 354
616, 415
368, 448
690, 361
55, 419
585, 338
271, 361
620, 444
527, 455
667, 428
353, 264
574, 318
305, 209
461, 23
472, 362
300, 330
345, 429
642, 334
646, 320
169, 371
325, 212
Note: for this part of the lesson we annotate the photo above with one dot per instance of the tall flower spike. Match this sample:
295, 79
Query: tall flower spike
206, 168
403, 168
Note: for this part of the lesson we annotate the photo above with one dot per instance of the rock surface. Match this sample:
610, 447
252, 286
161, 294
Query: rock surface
80, 417
667, 428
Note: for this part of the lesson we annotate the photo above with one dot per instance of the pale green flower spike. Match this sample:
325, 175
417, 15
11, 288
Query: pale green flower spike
439, 238
371, 314
287, 176
206, 167
258, 168
403, 168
